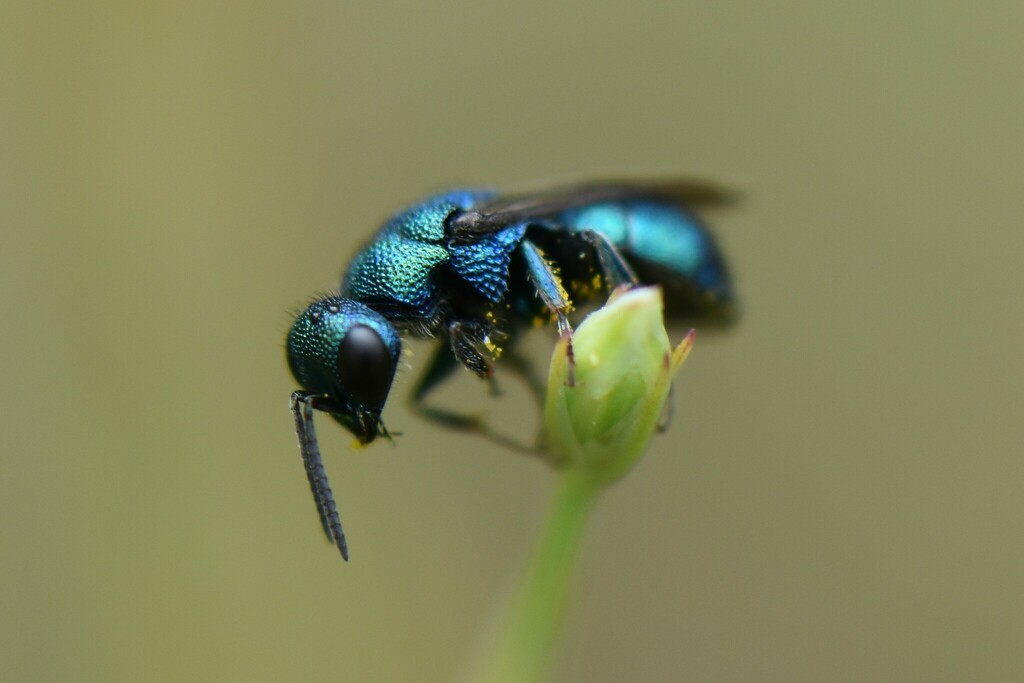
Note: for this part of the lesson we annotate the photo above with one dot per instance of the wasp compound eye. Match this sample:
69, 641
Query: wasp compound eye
365, 365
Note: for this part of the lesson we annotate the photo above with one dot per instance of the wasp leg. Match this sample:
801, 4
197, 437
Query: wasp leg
442, 365
619, 273
465, 339
302, 405
552, 293
614, 266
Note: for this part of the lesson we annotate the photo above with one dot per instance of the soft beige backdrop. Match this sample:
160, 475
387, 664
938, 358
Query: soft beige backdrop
839, 499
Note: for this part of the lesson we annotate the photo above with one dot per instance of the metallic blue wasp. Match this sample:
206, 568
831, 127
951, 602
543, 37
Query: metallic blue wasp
474, 268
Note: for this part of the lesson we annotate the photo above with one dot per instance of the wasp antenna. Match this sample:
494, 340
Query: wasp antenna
302, 410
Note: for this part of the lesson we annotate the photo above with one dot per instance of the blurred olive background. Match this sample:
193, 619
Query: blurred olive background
839, 498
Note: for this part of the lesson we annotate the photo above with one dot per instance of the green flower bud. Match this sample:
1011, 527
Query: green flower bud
602, 424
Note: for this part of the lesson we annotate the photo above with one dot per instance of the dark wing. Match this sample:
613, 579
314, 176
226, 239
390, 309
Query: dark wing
505, 211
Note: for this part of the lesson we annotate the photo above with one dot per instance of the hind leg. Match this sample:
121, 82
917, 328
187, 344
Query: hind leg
616, 270
619, 273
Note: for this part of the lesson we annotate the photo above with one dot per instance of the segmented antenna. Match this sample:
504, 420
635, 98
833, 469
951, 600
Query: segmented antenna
301, 405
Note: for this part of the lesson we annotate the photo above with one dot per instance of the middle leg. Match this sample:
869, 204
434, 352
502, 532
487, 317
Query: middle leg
552, 293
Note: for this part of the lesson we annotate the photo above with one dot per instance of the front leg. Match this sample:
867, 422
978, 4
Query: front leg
440, 367
466, 339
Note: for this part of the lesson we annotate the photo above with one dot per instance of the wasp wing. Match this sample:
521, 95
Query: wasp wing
506, 211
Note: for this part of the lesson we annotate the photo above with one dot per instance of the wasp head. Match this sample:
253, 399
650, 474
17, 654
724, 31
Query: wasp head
346, 353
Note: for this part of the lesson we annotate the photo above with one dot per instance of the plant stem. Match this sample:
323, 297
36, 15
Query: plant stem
530, 627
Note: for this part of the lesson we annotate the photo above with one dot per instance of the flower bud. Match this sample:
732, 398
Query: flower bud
624, 368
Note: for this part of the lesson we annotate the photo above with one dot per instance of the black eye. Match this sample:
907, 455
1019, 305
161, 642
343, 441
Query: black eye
365, 365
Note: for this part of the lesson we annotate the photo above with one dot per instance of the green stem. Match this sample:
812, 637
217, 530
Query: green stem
529, 629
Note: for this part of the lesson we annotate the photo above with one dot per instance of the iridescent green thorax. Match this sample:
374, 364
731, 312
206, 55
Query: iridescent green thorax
394, 269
